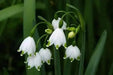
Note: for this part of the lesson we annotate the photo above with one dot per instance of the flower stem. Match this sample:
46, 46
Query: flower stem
57, 62
82, 23
40, 39
34, 28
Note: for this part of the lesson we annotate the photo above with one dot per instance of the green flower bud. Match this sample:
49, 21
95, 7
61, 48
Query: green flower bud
71, 34
48, 31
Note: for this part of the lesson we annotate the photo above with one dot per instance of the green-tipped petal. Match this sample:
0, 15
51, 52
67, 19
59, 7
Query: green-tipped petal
65, 56
48, 62
38, 68
22, 53
28, 67
30, 54
48, 44
72, 59
18, 50
78, 58
57, 46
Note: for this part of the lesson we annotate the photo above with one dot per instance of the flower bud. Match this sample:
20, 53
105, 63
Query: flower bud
48, 31
71, 34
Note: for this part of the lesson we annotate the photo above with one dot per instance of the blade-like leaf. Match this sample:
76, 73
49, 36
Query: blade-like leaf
94, 60
10, 11
16, 9
5, 71
57, 66
111, 70
29, 21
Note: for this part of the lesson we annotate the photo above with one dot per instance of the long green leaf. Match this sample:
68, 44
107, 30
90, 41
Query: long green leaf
88, 15
57, 65
29, 19
94, 60
10, 11
111, 70
16, 9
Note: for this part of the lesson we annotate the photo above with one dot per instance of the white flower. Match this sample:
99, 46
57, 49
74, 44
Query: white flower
55, 23
72, 52
57, 38
27, 46
46, 55
34, 60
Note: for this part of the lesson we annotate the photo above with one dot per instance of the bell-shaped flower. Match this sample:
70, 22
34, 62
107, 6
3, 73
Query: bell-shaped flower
57, 38
72, 52
27, 46
34, 61
45, 55
55, 23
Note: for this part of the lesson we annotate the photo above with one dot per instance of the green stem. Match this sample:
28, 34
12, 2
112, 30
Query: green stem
34, 28
57, 65
69, 13
40, 39
66, 13
44, 45
82, 23
47, 22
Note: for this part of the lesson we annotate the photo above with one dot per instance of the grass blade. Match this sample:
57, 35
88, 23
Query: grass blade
29, 18
16, 9
57, 62
88, 15
94, 61
10, 11
111, 70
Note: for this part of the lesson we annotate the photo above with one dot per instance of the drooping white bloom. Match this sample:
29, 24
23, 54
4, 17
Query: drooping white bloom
57, 38
73, 52
27, 46
34, 61
55, 23
45, 55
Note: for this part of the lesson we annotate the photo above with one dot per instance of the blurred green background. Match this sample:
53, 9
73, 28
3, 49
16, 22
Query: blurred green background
98, 15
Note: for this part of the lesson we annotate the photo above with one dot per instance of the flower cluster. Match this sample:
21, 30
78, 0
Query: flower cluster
57, 38
35, 59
